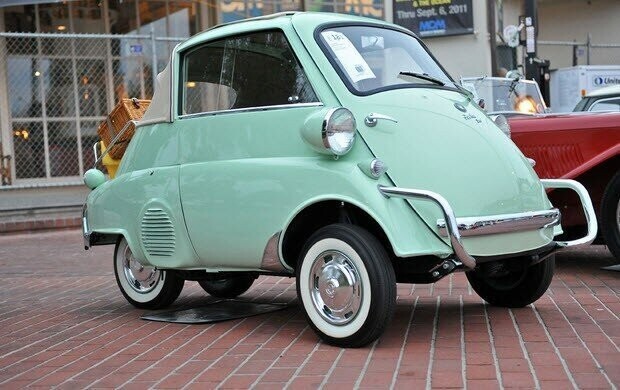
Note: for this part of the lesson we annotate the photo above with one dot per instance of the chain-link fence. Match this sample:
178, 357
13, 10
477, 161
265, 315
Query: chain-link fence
55, 89
566, 53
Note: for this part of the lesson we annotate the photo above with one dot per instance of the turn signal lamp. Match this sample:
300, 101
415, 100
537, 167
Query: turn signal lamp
373, 168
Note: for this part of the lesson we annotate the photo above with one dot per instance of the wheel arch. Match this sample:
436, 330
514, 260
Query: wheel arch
317, 213
113, 236
598, 176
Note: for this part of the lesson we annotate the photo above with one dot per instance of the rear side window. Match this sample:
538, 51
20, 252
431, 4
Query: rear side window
253, 70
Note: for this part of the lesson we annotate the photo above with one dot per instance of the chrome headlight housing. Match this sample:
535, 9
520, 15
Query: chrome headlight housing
338, 131
501, 122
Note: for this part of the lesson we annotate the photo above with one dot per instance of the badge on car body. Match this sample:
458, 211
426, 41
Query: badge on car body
460, 107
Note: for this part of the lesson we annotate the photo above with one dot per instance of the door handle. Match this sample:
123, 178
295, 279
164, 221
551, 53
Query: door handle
372, 118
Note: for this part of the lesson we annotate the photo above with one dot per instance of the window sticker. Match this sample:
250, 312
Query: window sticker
350, 59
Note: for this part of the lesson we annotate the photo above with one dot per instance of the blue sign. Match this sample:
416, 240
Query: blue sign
135, 49
434, 18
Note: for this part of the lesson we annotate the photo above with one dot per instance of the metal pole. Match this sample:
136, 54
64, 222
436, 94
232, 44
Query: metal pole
575, 49
388, 9
491, 12
76, 100
6, 135
109, 75
588, 46
38, 62
76, 97
153, 57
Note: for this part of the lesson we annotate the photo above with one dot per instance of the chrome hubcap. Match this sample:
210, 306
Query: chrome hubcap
142, 279
336, 288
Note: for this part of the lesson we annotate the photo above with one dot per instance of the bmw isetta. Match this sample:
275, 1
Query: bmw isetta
331, 148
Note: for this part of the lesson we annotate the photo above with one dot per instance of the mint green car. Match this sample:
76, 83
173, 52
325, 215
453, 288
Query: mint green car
330, 148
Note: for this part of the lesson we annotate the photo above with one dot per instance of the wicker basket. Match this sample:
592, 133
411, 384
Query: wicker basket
125, 111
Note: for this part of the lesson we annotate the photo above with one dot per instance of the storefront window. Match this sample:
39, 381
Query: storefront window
231, 10
368, 8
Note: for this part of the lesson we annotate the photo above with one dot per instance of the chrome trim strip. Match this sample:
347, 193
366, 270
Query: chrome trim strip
452, 227
503, 223
271, 259
85, 232
171, 91
586, 203
250, 109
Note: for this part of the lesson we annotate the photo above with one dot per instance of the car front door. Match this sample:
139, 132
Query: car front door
244, 99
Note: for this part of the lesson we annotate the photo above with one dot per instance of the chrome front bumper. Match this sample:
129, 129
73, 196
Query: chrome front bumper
455, 228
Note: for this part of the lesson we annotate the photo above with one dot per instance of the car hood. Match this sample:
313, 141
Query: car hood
444, 143
564, 121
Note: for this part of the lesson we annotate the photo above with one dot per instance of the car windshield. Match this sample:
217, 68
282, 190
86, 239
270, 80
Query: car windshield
372, 58
506, 95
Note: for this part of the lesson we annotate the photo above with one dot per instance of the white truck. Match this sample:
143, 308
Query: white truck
569, 85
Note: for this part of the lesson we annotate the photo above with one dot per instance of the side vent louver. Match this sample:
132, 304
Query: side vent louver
158, 233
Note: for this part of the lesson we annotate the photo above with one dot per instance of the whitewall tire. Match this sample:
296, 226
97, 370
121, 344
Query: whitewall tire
346, 285
144, 287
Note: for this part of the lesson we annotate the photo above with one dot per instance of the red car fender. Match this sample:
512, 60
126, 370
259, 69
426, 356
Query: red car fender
580, 146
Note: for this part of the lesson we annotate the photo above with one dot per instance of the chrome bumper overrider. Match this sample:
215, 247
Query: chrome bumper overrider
455, 228
586, 203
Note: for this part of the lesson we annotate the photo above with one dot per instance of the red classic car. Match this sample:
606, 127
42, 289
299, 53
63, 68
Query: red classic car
584, 146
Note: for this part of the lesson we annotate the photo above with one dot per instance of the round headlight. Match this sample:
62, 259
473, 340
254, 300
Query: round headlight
501, 122
339, 131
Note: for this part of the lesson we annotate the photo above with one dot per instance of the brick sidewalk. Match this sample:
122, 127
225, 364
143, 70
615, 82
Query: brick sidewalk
64, 323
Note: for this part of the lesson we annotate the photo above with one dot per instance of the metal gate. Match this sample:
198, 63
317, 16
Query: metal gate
566, 53
55, 89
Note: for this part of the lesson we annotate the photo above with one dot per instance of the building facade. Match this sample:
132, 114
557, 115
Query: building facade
64, 65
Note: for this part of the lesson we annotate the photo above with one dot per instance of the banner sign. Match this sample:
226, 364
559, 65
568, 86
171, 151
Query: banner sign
435, 18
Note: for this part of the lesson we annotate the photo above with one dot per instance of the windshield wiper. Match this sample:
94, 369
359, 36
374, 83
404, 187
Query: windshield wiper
423, 76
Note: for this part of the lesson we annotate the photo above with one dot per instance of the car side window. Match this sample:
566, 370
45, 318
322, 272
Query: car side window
253, 70
606, 105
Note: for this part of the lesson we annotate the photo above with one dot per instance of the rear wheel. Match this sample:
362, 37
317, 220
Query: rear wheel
144, 287
346, 285
610, 215
512, 283
229, 287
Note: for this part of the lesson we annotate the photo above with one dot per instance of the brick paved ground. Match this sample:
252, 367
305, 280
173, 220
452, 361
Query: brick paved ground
64, 323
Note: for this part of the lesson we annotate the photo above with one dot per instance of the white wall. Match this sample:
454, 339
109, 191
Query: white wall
572, 20
465, 55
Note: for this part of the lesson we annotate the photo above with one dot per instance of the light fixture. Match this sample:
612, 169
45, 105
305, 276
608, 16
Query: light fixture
373, 168
191, 84
62, 27
338, 131
526, 105
37, 73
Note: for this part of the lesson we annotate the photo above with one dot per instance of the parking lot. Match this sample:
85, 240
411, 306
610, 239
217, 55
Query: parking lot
64, 323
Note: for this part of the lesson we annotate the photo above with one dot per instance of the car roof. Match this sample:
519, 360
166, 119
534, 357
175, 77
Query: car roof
160, 109
611, 90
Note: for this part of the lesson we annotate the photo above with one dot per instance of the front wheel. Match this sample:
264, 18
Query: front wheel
346, 285
143, 286
513, 282
610, 215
